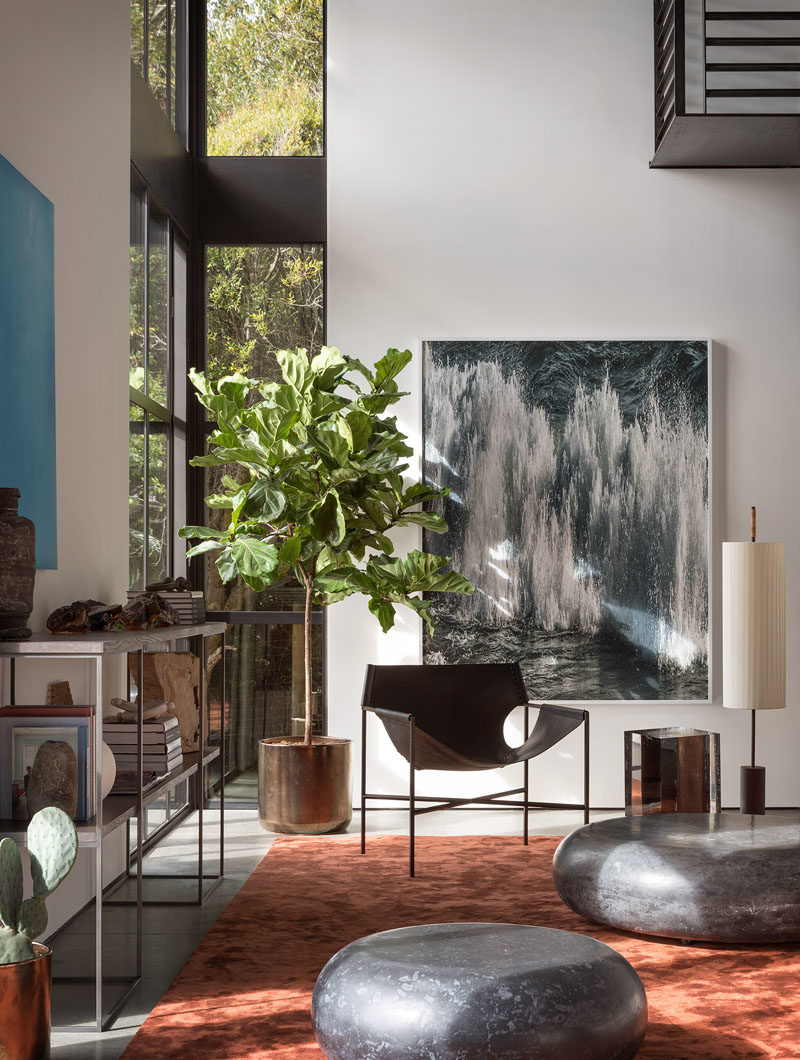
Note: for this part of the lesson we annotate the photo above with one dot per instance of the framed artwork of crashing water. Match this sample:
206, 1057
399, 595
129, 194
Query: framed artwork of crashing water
579, 477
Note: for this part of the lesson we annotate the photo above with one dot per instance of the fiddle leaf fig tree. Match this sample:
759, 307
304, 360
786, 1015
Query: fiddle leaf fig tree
322, 467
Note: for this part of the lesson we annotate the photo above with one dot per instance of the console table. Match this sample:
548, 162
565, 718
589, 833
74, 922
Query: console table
117, 810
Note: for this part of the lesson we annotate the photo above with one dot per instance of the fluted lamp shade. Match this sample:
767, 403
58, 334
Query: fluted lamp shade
753, 625
753, 644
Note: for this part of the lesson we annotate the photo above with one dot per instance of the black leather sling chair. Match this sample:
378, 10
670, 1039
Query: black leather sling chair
452, 717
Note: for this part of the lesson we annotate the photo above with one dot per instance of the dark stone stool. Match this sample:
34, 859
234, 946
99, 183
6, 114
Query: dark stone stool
724, 877
478, 992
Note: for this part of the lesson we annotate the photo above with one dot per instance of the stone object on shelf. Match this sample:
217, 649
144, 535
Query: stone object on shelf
82, 616
146, 611
59, 694
53, 779
673, 770
188, 604
17, 568
175, 677
449, 991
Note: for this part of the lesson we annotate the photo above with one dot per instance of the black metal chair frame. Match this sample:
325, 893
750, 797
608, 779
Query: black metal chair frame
500, 798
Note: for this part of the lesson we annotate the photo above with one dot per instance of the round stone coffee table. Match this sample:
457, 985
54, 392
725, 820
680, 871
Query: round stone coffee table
725, 877
478, 991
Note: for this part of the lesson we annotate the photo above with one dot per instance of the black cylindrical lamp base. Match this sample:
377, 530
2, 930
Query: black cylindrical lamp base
752, 787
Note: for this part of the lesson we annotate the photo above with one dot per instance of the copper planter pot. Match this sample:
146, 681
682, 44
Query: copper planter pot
305, 790
25, 1007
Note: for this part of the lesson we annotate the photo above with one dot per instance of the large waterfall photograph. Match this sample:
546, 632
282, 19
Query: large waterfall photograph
579, 508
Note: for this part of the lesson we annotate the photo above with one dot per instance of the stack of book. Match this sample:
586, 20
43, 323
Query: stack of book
22, 731
161, 744
189, 603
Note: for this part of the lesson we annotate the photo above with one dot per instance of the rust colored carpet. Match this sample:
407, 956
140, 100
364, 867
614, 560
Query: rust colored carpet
245, 991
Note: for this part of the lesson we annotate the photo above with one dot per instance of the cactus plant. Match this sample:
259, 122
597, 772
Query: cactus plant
53, 847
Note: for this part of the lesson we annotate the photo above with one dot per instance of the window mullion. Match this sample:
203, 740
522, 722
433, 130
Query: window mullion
145, 41
145, 499
146, 315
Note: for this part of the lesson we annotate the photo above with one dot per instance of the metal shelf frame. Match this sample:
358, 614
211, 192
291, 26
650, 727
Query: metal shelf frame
95, 647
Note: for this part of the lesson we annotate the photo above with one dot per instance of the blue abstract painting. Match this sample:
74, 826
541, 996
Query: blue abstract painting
27, 355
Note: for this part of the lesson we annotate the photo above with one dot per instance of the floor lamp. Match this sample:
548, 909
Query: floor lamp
753, 642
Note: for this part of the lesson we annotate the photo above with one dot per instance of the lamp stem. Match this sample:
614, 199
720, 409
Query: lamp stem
753, 739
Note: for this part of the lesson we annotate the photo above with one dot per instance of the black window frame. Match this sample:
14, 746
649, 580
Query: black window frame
239, 200
177, 79
172, 414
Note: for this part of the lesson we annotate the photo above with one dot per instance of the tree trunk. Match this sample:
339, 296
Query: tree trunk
307, 634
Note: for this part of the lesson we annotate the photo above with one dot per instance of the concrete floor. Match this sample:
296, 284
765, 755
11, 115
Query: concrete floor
172, 933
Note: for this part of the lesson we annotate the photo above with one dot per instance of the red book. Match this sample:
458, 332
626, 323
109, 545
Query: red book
54, 711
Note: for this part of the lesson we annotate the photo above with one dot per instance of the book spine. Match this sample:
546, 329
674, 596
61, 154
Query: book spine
58, 713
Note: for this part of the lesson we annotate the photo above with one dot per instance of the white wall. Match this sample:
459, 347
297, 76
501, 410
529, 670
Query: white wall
65, 124
488, 178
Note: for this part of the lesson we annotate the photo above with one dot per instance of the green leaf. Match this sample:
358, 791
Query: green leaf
253, 557
418, 493
238, 504
375, 404
226, 565
383, 611
295, 367
235, 388
384, 542
220, 500
200, 531
425, 519
332, 446
356, 365
327, 521
343, 428
204, 546
265, 501
290, 551
200, 381
328, 368
449, 582
209, 460
360, 428
376, 512
390, 366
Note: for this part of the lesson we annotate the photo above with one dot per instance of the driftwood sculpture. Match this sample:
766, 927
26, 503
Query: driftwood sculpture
174, 677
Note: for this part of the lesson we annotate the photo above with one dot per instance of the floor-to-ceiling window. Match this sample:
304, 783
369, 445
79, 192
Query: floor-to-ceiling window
159, 31
158, 322
248, 128
260, 299
264, 78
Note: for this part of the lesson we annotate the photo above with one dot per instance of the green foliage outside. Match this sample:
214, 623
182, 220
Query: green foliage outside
320, 487
264, 77
148, 282
261, 300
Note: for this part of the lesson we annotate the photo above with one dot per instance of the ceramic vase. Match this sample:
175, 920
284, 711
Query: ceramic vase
17, 568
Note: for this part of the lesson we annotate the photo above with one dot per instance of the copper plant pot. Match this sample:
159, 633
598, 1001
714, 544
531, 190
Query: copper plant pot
305, 790
25, 1007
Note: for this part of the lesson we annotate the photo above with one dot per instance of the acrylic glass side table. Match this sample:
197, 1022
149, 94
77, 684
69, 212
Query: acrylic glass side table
672, 771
